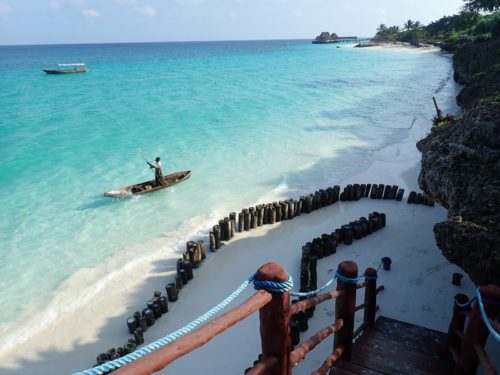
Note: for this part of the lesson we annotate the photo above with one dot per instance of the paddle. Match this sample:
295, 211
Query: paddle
145, 159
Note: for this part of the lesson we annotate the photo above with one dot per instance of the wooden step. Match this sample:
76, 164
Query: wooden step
403, 359
343, 367
373, 340
394, 347
377, 360
409, 332
413, 337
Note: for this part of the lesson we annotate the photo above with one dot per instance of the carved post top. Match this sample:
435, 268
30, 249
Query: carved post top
490, 292
272, 272
371, 272
348, 269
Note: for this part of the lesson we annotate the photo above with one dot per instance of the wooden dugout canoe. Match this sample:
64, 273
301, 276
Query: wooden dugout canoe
149, 186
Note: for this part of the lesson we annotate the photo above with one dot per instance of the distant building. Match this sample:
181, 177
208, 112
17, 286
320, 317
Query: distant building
326, 37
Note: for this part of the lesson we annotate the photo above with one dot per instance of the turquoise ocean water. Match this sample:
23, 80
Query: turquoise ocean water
250, 119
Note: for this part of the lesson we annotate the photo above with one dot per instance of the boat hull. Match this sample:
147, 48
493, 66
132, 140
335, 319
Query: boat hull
65, 71
149, 186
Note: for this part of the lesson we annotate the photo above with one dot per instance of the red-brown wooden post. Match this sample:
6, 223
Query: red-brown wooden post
370, 297
275, 321
477, 332
457, 322
345, 308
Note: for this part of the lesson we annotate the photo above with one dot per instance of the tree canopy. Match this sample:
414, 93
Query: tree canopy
449, 30
482, 5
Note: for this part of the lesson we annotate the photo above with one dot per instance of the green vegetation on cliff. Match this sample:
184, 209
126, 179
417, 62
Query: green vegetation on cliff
449, 31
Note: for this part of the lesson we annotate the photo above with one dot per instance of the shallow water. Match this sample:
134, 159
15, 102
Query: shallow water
252, 120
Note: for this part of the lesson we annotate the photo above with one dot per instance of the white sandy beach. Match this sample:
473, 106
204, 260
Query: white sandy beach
398, 46
418, 287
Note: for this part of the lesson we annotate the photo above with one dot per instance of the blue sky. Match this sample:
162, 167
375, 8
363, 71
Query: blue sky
90, 21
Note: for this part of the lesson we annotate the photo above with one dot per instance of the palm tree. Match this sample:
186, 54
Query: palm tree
408, 25
382, 28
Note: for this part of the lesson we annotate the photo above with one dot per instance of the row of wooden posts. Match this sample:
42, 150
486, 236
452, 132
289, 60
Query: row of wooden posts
320, 248
157, 306
419, 198
376, 191
276, 313
271, 213
327, 243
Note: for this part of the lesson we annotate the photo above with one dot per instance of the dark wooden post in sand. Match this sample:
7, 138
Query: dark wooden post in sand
345, 308
275, 321
477, 333
370, 297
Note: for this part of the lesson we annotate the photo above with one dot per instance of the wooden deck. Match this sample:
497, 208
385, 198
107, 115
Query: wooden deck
394, 347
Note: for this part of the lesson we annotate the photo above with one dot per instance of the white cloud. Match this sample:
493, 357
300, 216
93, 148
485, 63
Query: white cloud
5, 9
147, 11
91, 13
55, 5
381, 11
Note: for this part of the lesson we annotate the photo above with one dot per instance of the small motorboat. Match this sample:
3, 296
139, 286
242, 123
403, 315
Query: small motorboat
67, 69
149, 186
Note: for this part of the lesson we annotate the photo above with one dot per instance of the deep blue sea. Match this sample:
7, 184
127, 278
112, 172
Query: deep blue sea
252, 120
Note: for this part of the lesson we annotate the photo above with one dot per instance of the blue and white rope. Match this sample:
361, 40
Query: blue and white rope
273, 286
465, 305
486, 320
345, 279
348, 280
314, 292
270, 286
114, 364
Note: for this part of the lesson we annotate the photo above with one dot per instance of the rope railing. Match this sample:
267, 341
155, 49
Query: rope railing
338, 276
273, 285
162, 357
495, 325
486, 320
467, 345
117, 363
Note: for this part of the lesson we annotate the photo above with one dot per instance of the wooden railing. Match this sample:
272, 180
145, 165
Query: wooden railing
466, 345
275, 314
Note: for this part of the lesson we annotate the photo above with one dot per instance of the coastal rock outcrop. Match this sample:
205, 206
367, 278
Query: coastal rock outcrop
473, 58
484, 88
460, 170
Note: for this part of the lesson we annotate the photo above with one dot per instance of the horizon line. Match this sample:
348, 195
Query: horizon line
151, 42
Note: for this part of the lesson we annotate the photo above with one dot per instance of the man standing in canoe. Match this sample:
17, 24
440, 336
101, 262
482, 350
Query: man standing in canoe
158, 172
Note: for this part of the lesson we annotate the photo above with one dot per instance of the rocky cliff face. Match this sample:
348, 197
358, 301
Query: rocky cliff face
461, 167
474, 58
